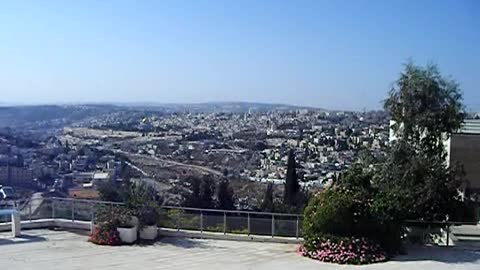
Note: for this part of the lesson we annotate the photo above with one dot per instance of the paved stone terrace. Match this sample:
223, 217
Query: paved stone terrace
45, 249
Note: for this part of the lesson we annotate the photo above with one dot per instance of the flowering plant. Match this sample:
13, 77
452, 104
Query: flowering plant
343, 250
105, 235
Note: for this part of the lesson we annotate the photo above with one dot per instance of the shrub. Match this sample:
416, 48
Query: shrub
339, 228
113, 216
105, 235
172, 218
147, 216
389, 207
337, 211
139, 195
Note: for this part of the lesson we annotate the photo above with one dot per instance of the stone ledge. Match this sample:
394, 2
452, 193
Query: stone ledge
87, 226
228, 236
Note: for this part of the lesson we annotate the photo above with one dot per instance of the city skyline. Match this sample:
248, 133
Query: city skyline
323, 54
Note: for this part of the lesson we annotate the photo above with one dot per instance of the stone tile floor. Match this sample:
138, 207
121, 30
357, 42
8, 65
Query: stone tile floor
46, 249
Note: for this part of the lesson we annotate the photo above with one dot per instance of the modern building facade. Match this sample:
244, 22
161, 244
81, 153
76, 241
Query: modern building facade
464, 148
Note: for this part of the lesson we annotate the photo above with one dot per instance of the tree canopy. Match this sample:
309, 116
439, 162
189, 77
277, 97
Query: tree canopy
425, 108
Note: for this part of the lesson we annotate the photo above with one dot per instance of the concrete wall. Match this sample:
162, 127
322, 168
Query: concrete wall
87, 226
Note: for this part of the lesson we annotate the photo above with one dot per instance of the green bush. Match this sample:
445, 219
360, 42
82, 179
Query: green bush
340, 212
171, 218
389, 207
147, 216
339, 227
113, 216
337, 211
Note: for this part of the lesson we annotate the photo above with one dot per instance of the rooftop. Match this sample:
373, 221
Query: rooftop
471, 126
48, 249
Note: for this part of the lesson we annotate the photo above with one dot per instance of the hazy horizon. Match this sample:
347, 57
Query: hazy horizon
339, 55
150, 103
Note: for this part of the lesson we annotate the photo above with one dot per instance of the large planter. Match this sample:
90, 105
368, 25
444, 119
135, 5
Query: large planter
149, 232
128, 235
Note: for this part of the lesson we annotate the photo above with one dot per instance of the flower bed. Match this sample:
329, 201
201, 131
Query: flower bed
345, 250
105, 235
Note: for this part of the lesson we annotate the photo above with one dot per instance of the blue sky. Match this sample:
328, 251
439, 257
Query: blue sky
332, 54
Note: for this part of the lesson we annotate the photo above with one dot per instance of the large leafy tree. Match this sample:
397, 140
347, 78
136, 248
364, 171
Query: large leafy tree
425, 108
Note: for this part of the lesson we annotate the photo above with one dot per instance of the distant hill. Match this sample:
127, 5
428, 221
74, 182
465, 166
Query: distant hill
50, 115
237, 107
57, 116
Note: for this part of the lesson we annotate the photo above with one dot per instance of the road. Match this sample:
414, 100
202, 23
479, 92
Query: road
171, 163
137, 169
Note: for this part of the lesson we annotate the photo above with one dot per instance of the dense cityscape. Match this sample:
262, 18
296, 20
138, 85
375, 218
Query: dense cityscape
260, 135
65, 156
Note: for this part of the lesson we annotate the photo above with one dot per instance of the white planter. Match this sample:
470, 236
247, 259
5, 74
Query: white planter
149, 232
128, 235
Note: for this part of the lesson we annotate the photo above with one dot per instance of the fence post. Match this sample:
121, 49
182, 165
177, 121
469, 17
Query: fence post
201, 221
73, 210
296, 233
248, 220
224, 223
53, 209
30, 210
92, 224
273, 225
428, 234
448, 234
177, 219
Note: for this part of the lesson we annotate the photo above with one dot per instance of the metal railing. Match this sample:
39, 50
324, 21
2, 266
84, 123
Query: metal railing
215, 220
174, 217
432, 232
232, 221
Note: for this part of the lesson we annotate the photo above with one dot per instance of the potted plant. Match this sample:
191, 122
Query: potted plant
148, 223
115, 221
127, 226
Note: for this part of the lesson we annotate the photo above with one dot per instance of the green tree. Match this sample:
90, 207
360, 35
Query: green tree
225, 196
358, 177
110, 192
193, 199
206, 193
291, 182
139, 195
267, 202
426, 108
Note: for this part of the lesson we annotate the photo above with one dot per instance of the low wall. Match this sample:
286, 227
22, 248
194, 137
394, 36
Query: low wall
228, 236
87, 226
34, 224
